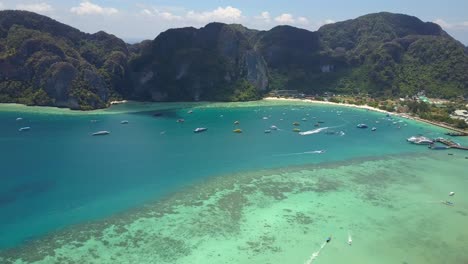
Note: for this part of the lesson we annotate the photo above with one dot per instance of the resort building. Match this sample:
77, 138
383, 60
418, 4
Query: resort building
460, 114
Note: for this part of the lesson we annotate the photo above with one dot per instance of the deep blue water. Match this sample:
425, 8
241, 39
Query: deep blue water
57, 174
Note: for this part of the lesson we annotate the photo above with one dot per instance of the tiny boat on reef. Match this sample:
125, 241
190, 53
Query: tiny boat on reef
237, 130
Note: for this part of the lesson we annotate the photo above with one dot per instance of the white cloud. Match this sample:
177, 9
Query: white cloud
38, 7
443, 23
146, 12
228, 14
324, 22
285, 19
2, 6
164, 15
446, 25
302, 21
88, 8
264, 16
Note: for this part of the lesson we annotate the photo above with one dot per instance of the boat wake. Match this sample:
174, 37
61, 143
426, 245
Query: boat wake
321, 151
315, 131
315, 254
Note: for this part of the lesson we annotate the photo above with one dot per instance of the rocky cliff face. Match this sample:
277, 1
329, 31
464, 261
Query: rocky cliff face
198, 64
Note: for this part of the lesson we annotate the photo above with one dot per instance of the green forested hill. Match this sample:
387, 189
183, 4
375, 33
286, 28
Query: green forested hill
395, 54
44, 62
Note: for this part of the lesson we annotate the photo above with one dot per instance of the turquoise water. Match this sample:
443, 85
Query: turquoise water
57, 174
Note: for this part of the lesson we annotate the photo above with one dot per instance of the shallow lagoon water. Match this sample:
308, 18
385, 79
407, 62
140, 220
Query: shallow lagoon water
139, 196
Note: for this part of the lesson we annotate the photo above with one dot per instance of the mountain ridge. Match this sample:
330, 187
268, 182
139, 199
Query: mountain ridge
45, 62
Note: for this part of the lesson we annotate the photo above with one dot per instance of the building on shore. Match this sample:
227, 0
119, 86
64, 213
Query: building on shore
460, 114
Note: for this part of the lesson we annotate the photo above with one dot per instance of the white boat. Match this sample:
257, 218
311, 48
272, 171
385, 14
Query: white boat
200, 129
189, 112
350, 239
124, 122
101, 133
304, 119
19, 119
274, 127
374, 129
267, 131
361, 126
24, 129
265, 118
420, 140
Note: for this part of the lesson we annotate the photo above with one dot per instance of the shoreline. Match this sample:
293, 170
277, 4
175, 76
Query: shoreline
108, 110
370, 108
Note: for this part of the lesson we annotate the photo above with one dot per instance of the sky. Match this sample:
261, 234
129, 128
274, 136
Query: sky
145, 19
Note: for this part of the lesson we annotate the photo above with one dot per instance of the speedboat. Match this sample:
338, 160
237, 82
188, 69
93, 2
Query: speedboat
361, 126
296, 129
189, 112
420, 140
274, 127
200, 129
296, 123
24, 129
265, 118
19, 119
304, 119
267, 131
101, 133
124, 122
237, 130
236, 122
180, 120
374, 129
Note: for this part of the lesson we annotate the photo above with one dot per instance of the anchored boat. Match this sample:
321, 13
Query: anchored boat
101, 133
200, 129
